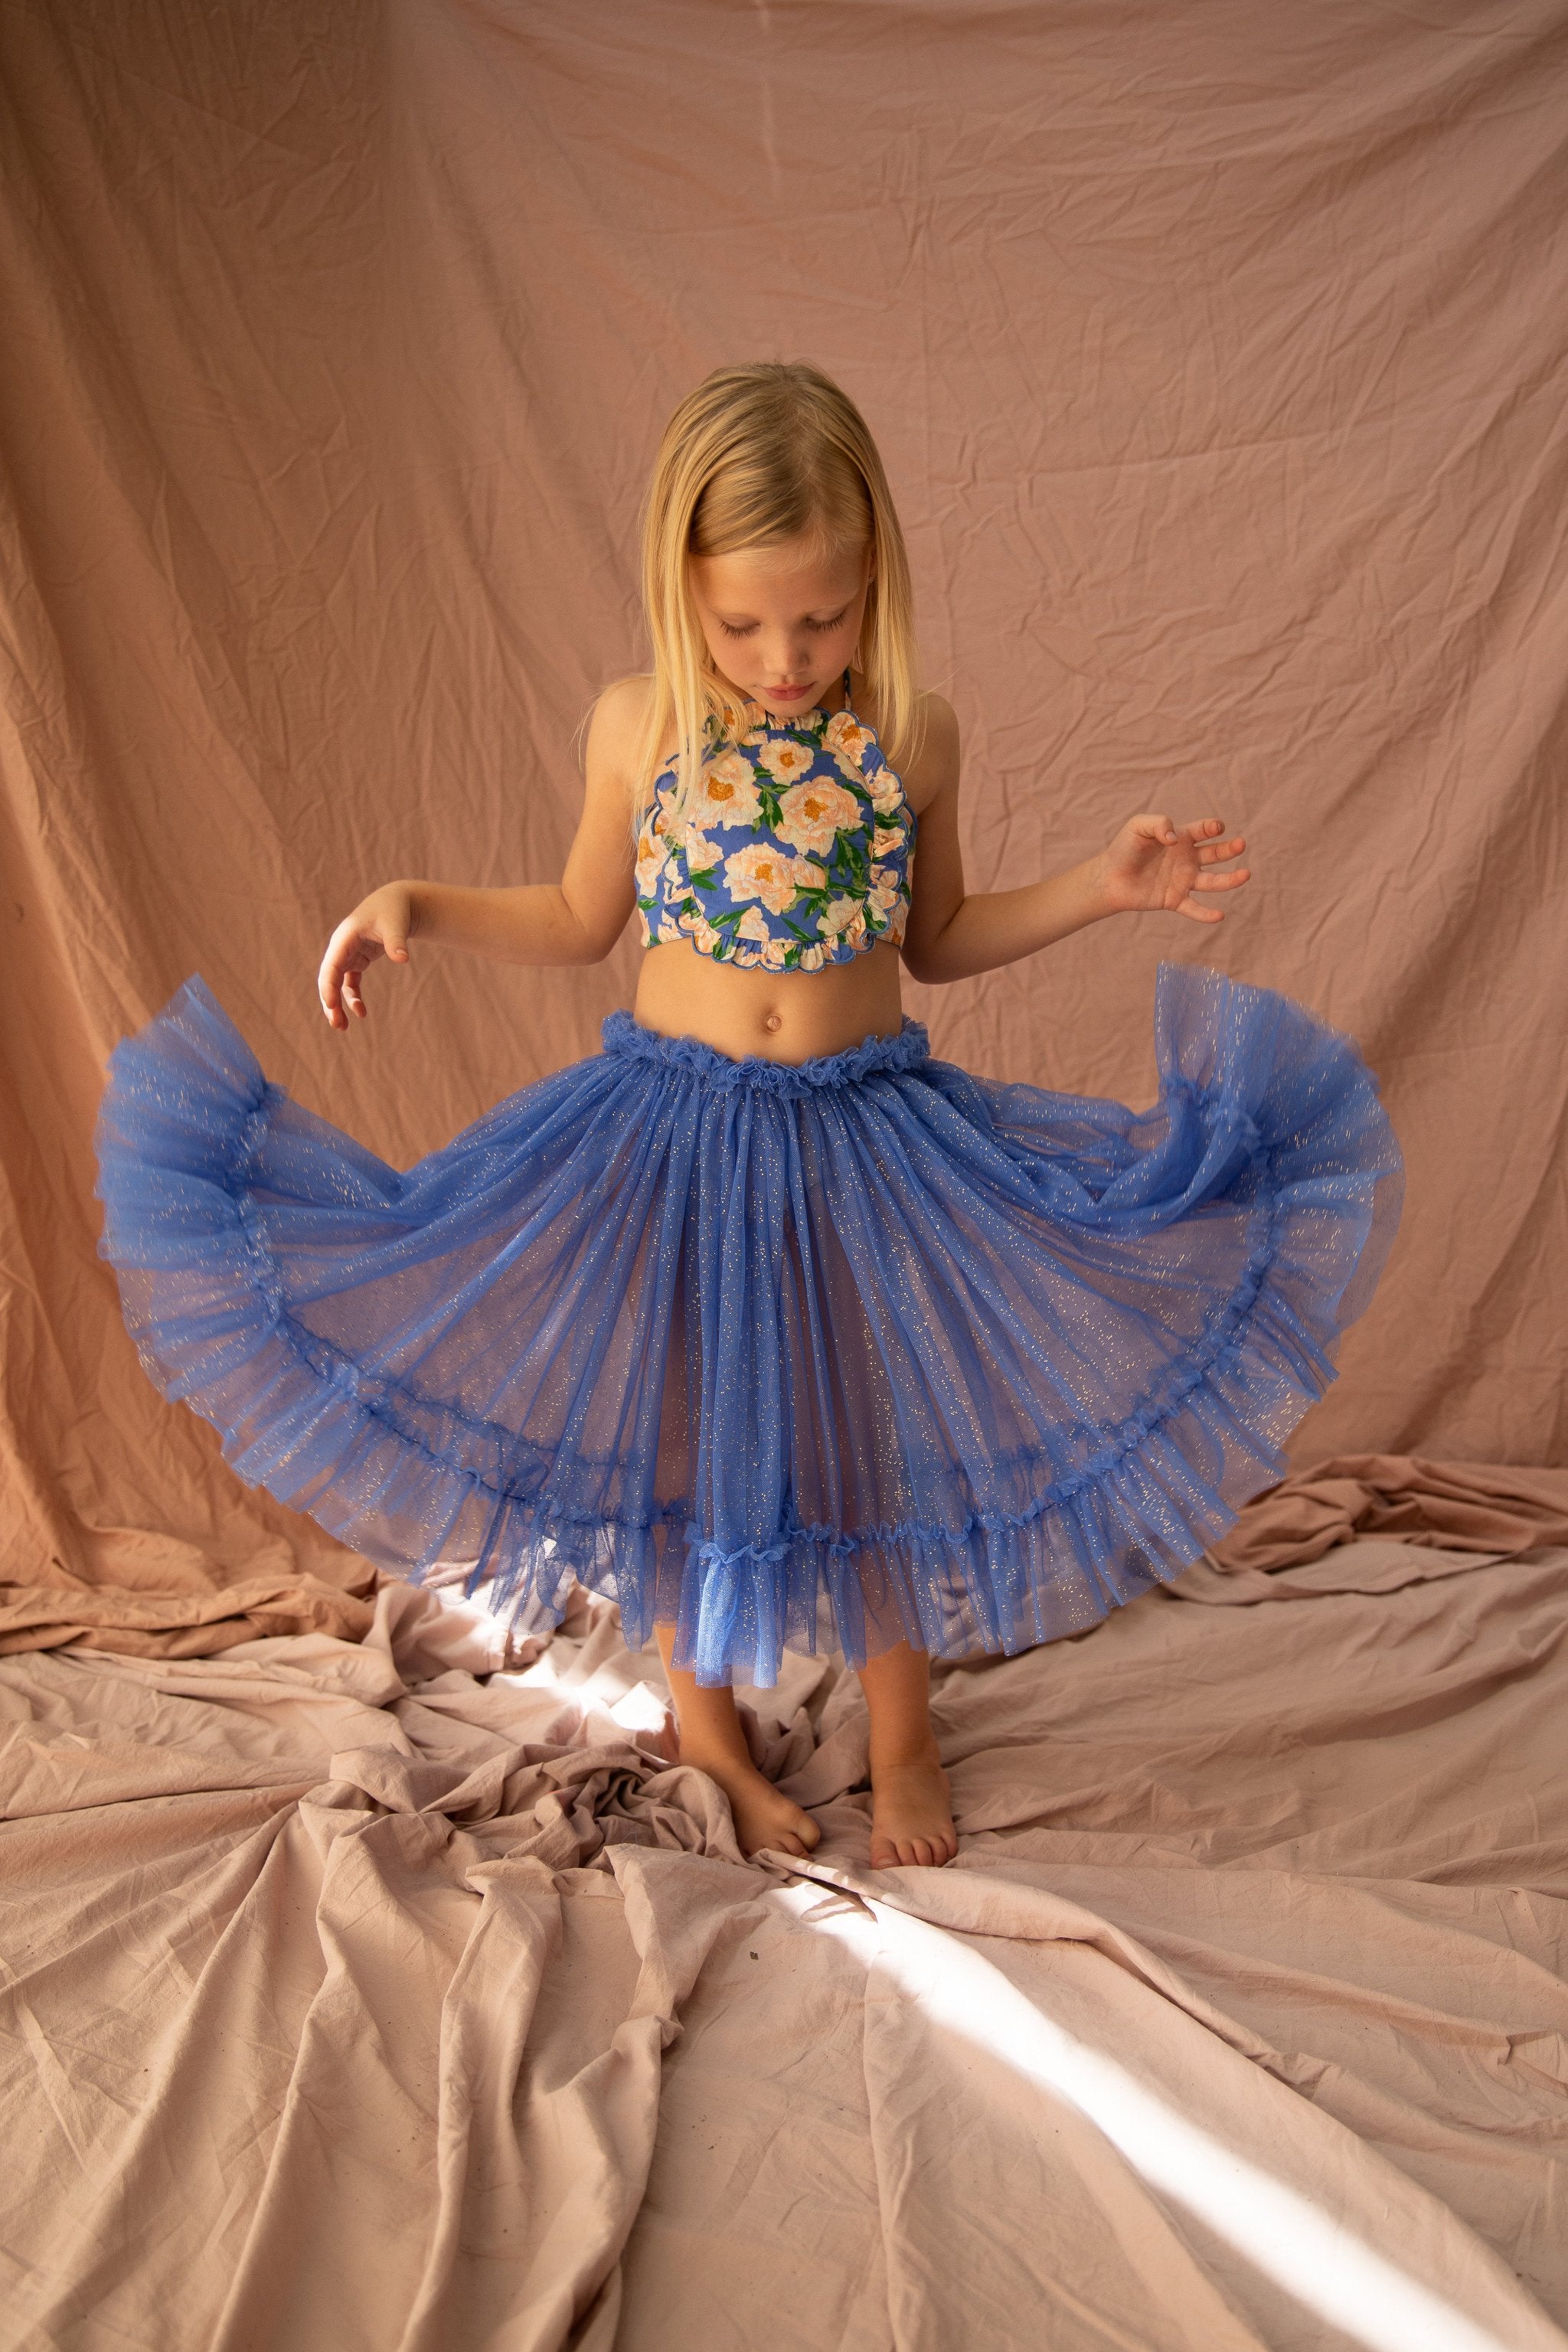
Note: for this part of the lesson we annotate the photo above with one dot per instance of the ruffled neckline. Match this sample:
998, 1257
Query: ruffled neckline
750, 715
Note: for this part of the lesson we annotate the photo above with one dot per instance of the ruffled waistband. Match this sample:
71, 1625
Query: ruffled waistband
624, 1033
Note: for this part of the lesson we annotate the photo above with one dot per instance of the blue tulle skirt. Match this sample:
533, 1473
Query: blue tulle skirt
718, 1337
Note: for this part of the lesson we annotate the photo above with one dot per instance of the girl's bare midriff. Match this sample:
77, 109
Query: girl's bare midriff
786, 1016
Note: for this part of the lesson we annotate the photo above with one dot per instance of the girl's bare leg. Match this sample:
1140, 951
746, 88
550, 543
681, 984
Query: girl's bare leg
711, 1739
912, 1816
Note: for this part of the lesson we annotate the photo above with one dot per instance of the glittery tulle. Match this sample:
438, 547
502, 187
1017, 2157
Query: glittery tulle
716, 1336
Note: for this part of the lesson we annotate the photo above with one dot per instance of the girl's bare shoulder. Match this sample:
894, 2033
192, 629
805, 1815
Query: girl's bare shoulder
616, 727
932, 761
938, 721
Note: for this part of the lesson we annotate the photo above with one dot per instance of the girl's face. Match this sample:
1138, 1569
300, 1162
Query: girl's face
781, 622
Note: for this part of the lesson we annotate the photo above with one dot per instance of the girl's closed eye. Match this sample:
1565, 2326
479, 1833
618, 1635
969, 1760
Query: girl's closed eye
746, 628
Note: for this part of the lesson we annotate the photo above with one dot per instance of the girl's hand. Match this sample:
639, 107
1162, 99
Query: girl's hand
1153, 866
380, 925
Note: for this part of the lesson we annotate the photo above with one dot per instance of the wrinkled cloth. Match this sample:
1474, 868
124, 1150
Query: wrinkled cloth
1239, 2022
180, 1624
724, 1338
1491, 1506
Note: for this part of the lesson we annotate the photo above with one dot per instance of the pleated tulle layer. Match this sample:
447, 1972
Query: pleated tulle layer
714, 1337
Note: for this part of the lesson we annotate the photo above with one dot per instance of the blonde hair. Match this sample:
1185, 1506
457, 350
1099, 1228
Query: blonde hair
754, 456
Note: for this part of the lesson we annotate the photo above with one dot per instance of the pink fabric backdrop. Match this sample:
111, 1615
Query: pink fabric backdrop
1217, 357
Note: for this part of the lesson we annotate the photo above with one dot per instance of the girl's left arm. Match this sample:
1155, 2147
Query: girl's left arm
1151, 866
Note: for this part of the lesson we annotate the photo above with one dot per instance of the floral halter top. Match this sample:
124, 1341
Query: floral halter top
796, 851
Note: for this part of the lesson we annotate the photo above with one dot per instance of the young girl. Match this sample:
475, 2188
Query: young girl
762, 1303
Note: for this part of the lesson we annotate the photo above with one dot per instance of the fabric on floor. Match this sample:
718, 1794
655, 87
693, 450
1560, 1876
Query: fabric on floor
180, 1624
1491, 1507
363, 1997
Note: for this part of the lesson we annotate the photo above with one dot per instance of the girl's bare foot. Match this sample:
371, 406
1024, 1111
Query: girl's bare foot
713, 1741
912, 1816
764, 1814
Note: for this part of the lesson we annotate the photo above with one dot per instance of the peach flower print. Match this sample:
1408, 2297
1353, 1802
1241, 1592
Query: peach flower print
728, 793
886, 841
788, 761
697, 928
846, 738
700, 853
773, 955
810, 814
760, 872
886, 792
813, 958
650, 862
753, 925
838, 915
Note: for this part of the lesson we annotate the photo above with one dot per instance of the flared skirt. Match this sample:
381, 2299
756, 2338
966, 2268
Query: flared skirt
718, 1337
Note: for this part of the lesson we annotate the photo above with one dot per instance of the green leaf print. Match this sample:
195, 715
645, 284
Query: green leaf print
855, 858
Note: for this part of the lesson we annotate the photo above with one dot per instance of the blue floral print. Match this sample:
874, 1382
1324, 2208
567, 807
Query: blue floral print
796, 852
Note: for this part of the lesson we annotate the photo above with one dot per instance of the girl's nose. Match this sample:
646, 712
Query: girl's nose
788, 660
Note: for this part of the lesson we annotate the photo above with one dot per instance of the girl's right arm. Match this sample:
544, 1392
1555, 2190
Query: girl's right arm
575, 920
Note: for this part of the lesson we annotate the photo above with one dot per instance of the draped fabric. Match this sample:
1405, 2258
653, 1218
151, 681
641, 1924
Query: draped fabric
1216, 356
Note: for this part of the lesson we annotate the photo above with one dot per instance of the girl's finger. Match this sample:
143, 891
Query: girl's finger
1200, 914
1215, 851
329, 980
1222, 881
